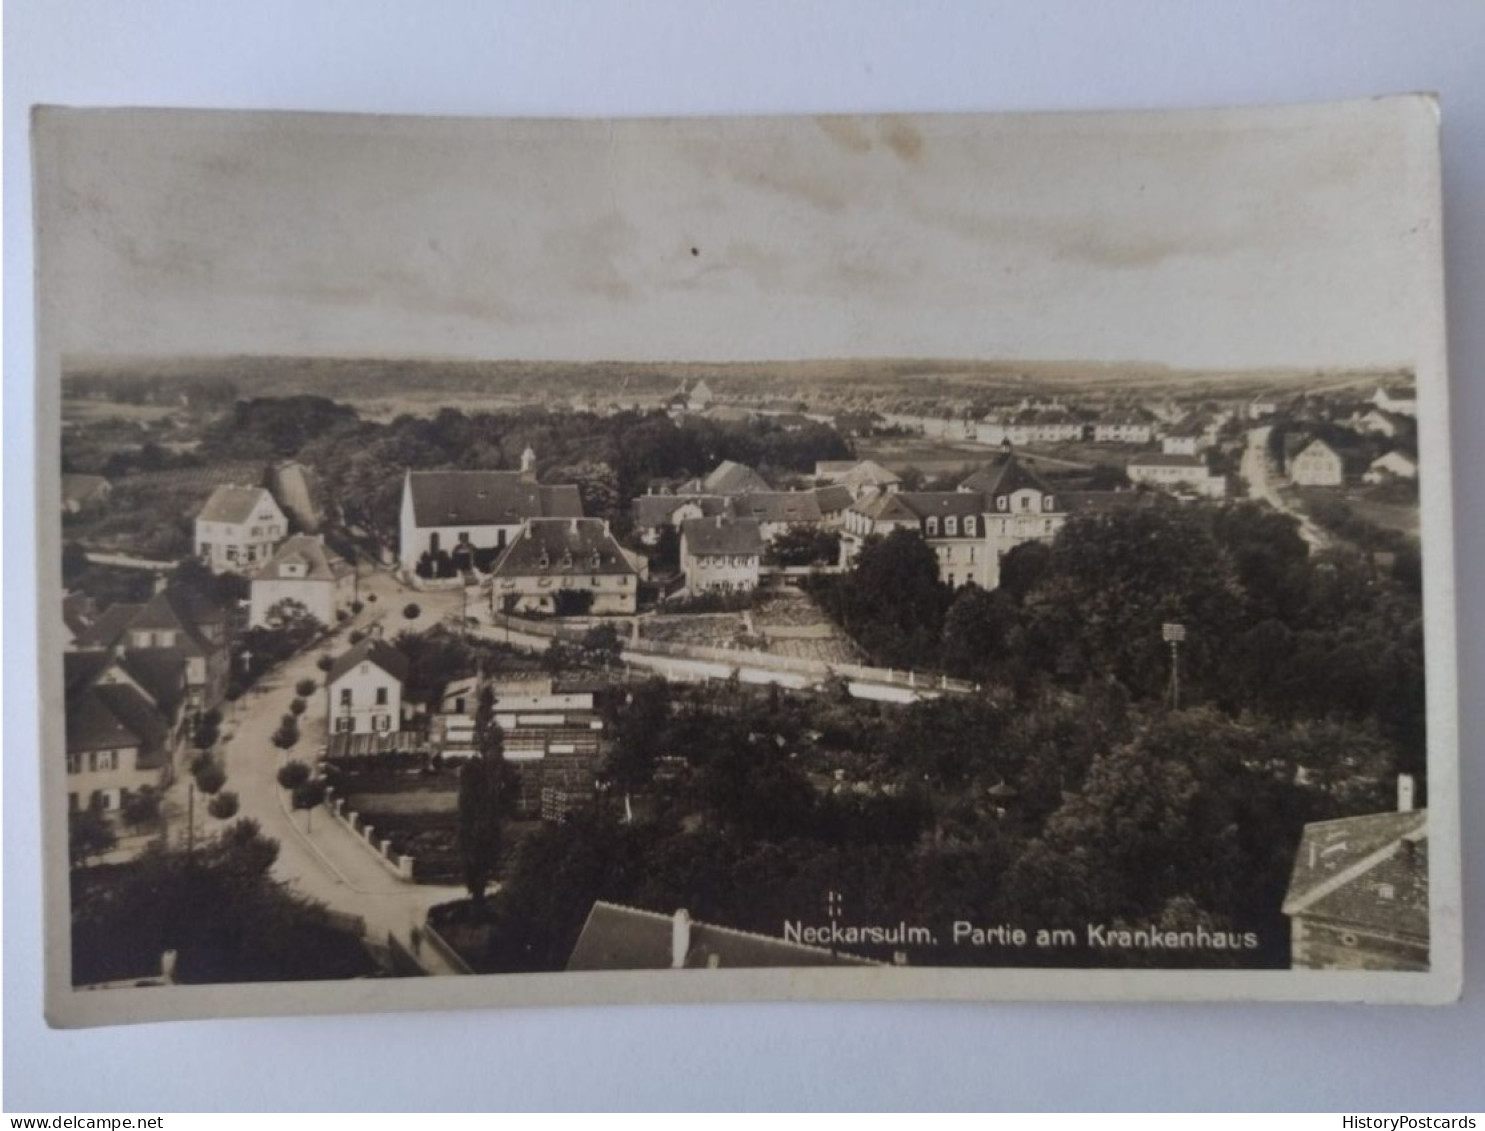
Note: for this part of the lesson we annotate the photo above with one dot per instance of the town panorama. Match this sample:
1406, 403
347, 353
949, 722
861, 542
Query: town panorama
384, 668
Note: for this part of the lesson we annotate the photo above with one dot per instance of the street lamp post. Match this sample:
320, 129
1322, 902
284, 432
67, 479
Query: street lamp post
1175, 636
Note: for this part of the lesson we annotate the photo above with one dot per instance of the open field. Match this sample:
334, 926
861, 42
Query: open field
86, 411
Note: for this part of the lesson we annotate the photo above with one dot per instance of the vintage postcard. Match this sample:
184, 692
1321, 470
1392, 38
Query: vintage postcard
495, 562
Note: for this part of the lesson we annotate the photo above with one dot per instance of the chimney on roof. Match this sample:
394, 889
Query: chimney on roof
1404, 793
572, 525
680, 939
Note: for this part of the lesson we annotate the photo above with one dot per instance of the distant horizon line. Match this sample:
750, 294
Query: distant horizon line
120, 364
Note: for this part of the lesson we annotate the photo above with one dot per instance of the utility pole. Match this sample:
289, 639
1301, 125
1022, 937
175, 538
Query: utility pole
1175, 636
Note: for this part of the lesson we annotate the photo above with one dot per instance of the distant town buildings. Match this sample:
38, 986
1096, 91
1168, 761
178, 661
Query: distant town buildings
727, 478
1400, 399
860, 477
1358, 894
119, 737
238, 528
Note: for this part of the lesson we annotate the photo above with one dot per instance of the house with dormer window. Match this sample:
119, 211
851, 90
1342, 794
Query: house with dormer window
305, 570
566, 566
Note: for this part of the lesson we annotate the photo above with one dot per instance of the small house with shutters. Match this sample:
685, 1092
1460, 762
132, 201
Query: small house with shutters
721, 555
363, 689
238, 528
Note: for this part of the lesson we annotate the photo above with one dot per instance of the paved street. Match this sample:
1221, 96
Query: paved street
318, 856
1255, 468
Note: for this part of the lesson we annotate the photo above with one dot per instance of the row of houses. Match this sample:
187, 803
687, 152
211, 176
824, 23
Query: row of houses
136, 677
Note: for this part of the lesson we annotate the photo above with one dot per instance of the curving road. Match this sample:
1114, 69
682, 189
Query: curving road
319, 857
1255, 469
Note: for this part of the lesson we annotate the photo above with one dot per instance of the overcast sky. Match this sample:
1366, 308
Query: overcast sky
1217, 240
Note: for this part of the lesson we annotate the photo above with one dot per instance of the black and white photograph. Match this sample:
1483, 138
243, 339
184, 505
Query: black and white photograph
498, 561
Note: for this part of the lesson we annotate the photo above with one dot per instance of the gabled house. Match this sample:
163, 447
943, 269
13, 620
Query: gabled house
654, 513
1401, 399
84, 492
1189, 438
238, 528
305, 570
860, 477
117, 740
1317, 465
971, 529
469, 514
1175, 472
721, 554
727, 478
566, 567
1358, 894
1380, 422
179, 625
776, 511
1393, 465
700, 397
616, 937
363, 689
833, 502
1125, 426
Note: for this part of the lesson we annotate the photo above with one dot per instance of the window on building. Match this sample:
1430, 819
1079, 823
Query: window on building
345, 696
382, 722
1002, 503
343, 726
951, 525
74, 766
932, 526
1047, 503
969, 526
381, 696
